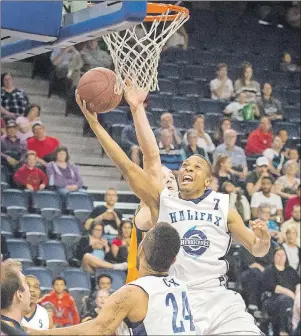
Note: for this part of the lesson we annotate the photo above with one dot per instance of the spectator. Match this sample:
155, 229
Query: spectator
92, 249
13, 149
282, 133
259, 139
252, 270
31, 116
221, 87
237, 154
291, 248
204, 139
294, 222
170, 156
94, 57
104, 281
65, 312
274, 155
107, 214
218, 136
29, 176
67, 63
42, 144
62, 174
254, 178
264, 213
286, 65
287, 185
192, 147
214, 183
246, 84
120, 245
237, 200
280, 280
14, 101
265, 196
241, 109
167, 122
293, 155
100, 299
130, 144
223, 171
291, 203
3, 127
269, 106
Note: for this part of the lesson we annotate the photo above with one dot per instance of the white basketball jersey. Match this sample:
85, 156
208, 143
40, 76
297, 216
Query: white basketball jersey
38, 320
168, 310
205, 240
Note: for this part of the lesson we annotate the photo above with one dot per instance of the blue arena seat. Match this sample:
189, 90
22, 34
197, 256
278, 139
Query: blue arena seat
6, 226
168, 86
19, 249
80, 204
206, 106
116, 131
117, 276
4, 178
293, 97
44, 275
52, 254
189, 88
113, 117
293, 129
169, 70
14, 202
179, 104
158, 102
291, 113
183, 119
48, 203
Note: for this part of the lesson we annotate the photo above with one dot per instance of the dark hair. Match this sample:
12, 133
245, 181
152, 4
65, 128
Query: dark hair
196, 117
104, 276
280, 248
62, 149
37, 124
121, 226
220, 66
161, 245
10, 284
268, 178
2, 77
244, 67
219, 133
58, 279
94, 224
219, 160
31, 106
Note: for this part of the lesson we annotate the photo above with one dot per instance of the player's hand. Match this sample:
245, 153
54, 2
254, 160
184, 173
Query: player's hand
90, 116
260, 228
134, 96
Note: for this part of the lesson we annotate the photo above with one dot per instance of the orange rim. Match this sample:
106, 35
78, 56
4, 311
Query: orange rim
161, 10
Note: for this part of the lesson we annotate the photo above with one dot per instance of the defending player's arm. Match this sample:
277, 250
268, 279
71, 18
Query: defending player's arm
138, 180
145, 135
118, 306
257, 240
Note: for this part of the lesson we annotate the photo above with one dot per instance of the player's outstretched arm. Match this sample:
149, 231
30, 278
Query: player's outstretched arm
119, 305
257, 240
145, 135
138, 180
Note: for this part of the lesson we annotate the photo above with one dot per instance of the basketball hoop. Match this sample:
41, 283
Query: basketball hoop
136, 51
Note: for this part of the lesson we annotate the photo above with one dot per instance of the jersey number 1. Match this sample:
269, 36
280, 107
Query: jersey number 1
186, 313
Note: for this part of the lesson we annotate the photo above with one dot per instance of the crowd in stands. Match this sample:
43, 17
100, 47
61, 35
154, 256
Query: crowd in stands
259, 170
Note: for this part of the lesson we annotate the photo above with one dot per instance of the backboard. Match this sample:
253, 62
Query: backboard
30, 28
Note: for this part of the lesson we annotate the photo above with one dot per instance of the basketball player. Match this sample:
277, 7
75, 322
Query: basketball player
38, 317
204, 222
155, 304
151, 164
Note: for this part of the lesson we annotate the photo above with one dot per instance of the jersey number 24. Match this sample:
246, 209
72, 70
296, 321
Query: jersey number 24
186, 313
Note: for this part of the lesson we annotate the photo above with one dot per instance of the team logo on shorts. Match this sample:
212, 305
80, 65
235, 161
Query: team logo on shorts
195, 242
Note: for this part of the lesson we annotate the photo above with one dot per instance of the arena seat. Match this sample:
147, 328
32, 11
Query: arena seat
168, 86
293, 129
291, 113
206, 106
14, 203
180, 104
158, 102
32, 228
113, 117
48, 203
52, 254
183, 119
67, 229
19, 249
190, 88
80, 204
6, 226
293, 97
44, 275
169, 70
117, 276
212, 121
250, 125
151, 119
4, 179
116, 131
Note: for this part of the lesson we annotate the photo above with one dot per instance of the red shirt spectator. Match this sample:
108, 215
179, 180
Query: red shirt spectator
65, 311
260, 139
29, 176
291, 203
43, 145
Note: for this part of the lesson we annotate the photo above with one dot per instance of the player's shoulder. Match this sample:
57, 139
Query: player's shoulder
41, 310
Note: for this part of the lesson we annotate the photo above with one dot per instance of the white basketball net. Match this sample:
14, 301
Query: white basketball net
136, 51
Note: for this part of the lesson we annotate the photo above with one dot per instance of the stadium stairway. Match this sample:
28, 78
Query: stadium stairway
98, 171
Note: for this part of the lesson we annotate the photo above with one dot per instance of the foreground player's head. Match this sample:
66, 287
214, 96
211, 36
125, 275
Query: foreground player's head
169, 179
34, 288
158, 250
194, 176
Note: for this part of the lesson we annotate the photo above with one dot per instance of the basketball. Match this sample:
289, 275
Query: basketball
96, 87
